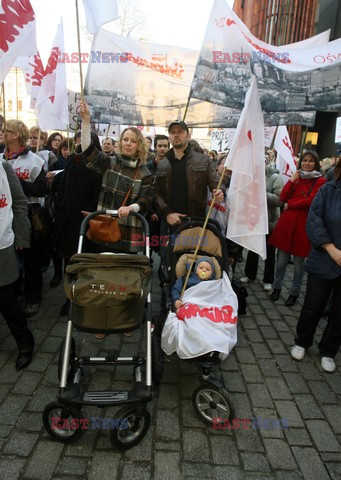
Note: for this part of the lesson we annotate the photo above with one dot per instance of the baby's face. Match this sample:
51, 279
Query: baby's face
204, 271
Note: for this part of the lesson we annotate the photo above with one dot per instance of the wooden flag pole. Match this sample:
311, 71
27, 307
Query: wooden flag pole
273, 138
201, 237
38, 141
304, 136
79, 52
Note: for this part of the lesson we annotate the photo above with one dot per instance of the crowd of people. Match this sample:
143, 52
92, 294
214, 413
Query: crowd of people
48, 181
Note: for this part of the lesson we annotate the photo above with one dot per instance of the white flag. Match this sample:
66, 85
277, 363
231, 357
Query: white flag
98, 13
285, 161
248, 217
52, 101
17, 33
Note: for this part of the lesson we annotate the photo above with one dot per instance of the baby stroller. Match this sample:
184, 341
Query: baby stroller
109, 293
210, 399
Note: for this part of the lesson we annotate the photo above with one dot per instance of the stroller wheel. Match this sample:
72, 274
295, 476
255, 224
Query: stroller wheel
63, 423
134, 424
71, 368
211, 402
157, 359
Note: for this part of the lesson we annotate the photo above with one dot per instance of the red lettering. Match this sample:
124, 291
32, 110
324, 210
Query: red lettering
235, 424
226, 58
15, 14
84, 423
245, 423
227, 424
154, 241
217, 423
216, 57
55, 423
74, 57
74, 424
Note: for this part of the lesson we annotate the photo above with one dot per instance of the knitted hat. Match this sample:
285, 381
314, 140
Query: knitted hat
208, 260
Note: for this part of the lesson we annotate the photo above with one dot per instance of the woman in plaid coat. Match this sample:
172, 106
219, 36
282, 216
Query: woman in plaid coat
119, 174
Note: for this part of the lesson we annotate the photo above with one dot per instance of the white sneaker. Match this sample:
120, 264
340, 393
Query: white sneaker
297, 352
267, 287
245, 280
328, 364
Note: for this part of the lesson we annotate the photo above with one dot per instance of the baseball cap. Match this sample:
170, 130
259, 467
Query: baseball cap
180, 123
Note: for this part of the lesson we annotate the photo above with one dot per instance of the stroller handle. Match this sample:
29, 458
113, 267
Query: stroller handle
113, 213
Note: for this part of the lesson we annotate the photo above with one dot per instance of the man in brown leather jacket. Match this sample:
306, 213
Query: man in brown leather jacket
182, 178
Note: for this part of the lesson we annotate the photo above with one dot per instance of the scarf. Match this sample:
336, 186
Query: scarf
310, 175
14, 155
6, 212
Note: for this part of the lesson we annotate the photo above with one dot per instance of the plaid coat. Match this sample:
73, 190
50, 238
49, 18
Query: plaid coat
117, 177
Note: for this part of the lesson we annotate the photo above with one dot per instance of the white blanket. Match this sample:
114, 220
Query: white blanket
206, 322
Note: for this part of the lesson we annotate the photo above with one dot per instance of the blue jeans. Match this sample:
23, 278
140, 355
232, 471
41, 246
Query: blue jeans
281, 267
316, 298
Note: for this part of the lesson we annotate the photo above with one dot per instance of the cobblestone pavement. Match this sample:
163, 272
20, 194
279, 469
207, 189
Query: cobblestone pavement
260, 375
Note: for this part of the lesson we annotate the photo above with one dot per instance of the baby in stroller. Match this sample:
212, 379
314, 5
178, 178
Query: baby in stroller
202, 271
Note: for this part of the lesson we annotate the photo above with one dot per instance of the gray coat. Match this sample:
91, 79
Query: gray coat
274, 185
21, 227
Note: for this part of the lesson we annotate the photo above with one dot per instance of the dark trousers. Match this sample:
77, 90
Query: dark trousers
15, 317
252, 260
316, 298
32, 271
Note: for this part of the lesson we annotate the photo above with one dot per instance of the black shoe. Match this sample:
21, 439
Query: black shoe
24, 358
56, 279
64, 311
275, 294
291, 300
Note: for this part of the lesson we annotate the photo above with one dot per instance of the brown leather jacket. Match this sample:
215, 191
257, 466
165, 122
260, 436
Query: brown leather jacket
201, 173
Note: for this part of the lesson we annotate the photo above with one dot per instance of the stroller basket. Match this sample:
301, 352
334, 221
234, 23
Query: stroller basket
108, 292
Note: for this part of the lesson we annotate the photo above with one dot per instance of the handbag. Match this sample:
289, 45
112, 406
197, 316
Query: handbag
41, 223
104, 228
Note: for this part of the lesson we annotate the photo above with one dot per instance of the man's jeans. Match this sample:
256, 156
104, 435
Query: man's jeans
318, 292
281, 267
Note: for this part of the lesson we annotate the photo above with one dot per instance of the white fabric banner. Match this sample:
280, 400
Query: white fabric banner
207, 321
6, 212
231, 54
98, 13
285, 161
246, 198
18, 33
52, 101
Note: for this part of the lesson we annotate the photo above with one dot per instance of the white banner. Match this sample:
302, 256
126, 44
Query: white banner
98, 13
297, 78
338, 130
285, 161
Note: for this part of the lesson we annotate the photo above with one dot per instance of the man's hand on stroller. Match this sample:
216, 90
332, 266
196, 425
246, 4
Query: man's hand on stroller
178, 304
174, 218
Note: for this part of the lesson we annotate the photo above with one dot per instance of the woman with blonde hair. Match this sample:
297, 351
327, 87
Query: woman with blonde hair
123, 173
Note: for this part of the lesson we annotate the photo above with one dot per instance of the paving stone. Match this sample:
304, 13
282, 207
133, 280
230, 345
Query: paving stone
12, 408
278, 389
255, 462
286, 363
269, 368
254, 336
249, 441
167, 445
168, 396
334, 470
20, 444
251, 373
27, 383
245, 355
279, 454
334, 381
189, 417
72, 466
242, 407
40, 362
104, 466
309, 370
167, 466
322, 435
4, 390
260, 396
136, 472
8, 374
51, 345
5, 430
261, 350
188, 385
276, 346
268, 424
234, 382
197, 470
230, 364
30, 421
224, 451
11, 468
280, 326
142, 452
268, 332
84, 445
297, 437
308, 406
322, 393
332, 412
44, 460
288, 410
296, 383
288, 475
230, 473
328, 457
41, 397
167, 425
310, 464
195, 446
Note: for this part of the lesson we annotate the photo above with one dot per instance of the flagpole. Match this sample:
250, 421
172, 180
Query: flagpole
38, 142
201, 236
273, 138
79, 52
186, 109
304, 136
